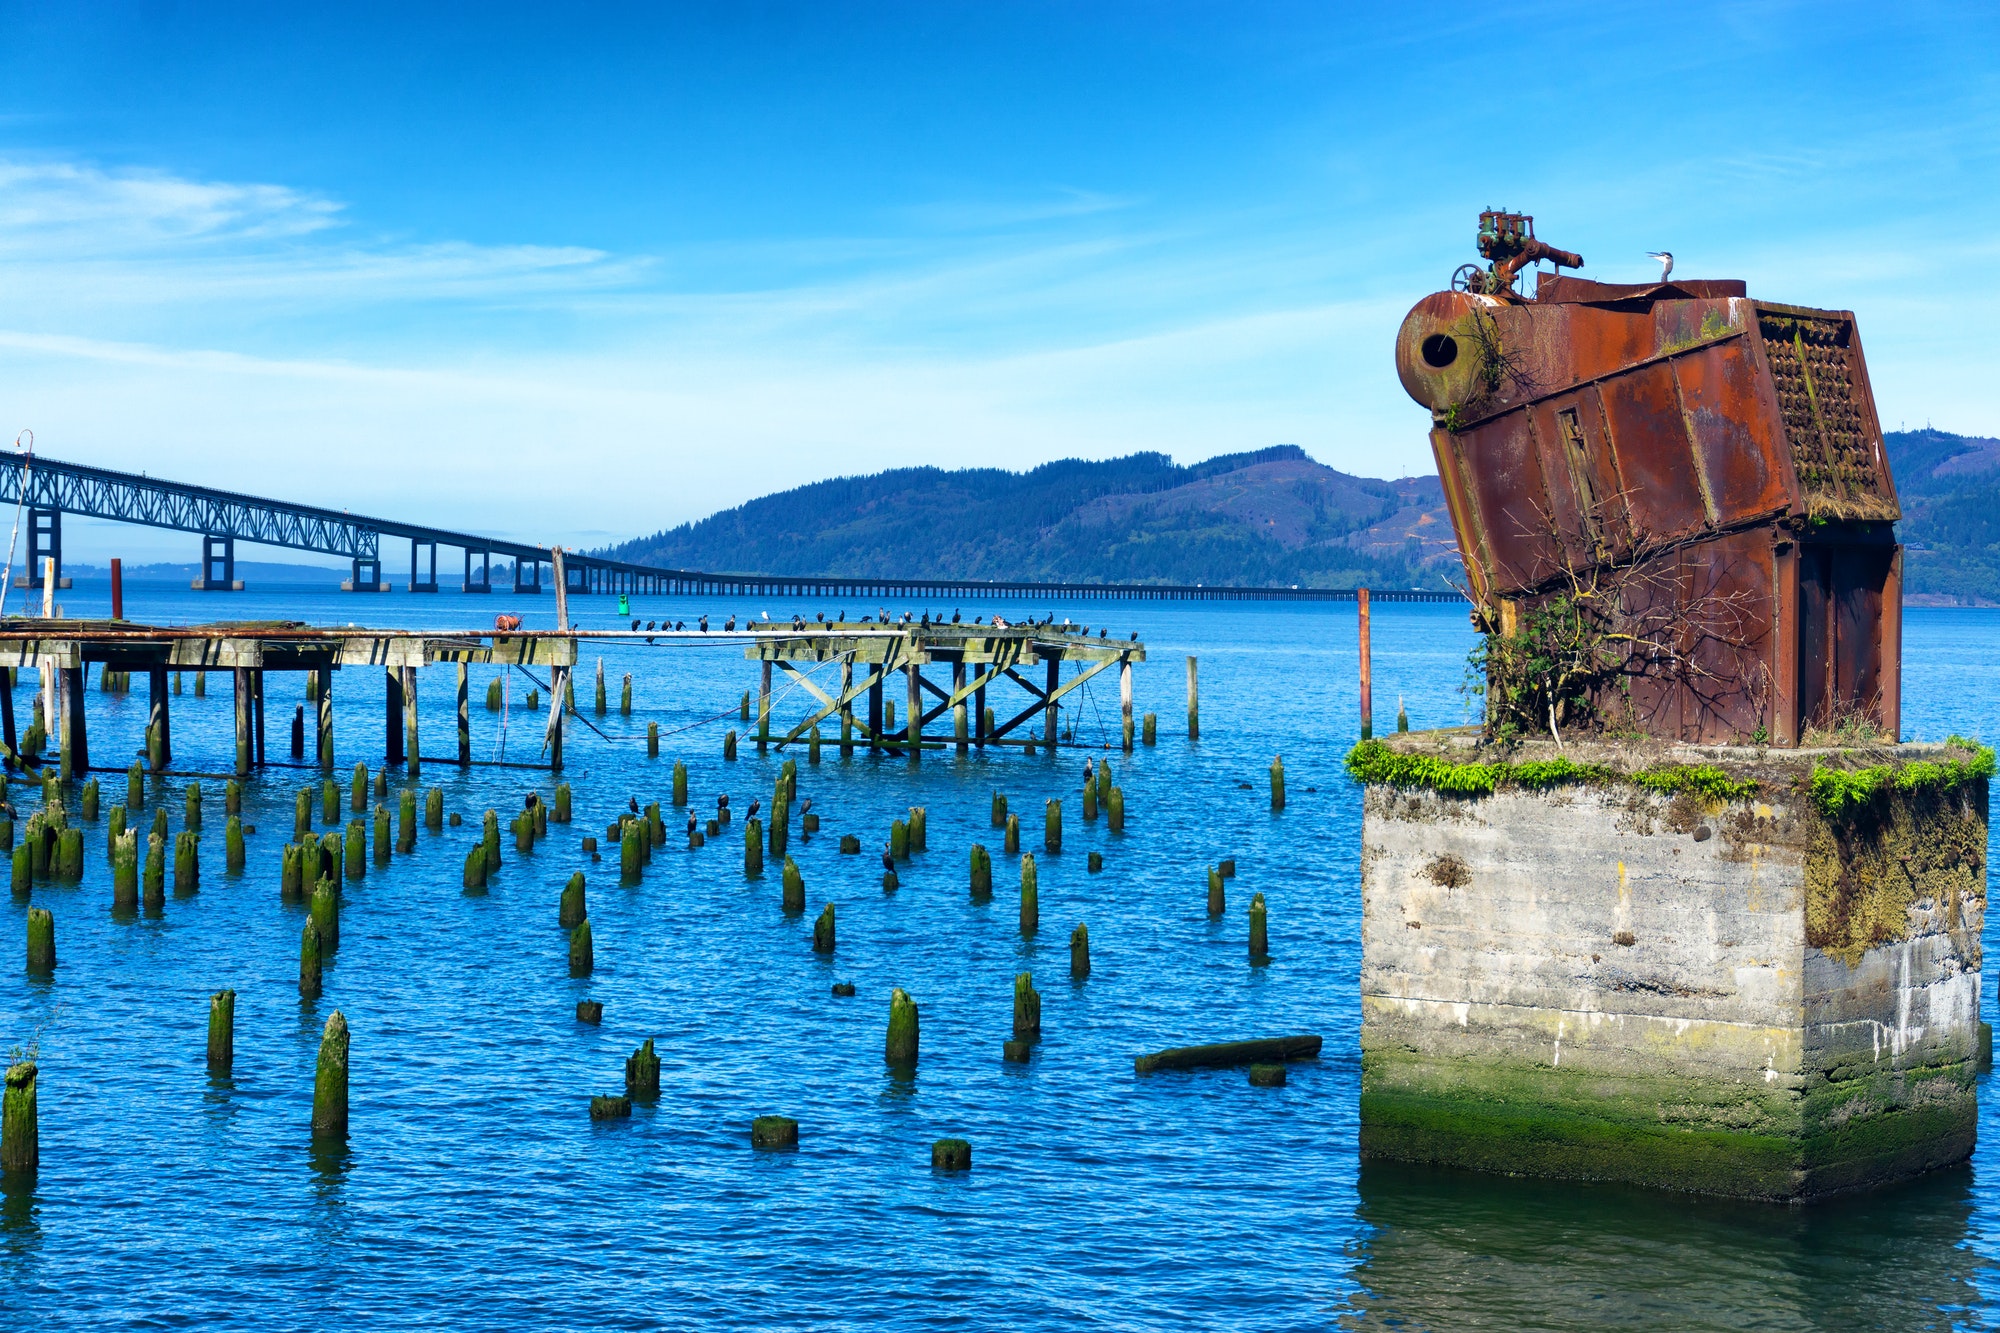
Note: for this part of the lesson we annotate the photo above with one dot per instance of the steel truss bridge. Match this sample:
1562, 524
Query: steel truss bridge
48, 488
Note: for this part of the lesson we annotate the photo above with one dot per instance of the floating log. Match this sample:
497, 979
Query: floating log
794, 887
20, 1134
310, 946
1079, 952
774, 1131
1277, 783
900, 1050
222, 1032
823, 939
1260, 943
571, 910
982, 872
951, 1155
642, 1072
590, 1011
1223, 1055
1027, 1008
232, 845
582, 957
610, 1108
41, 942
1031, 915
330, 1081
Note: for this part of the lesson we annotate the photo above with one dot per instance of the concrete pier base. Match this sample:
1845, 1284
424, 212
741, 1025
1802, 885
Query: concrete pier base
1642, 968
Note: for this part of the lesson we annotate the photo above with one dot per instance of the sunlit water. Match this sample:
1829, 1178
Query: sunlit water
475, 1193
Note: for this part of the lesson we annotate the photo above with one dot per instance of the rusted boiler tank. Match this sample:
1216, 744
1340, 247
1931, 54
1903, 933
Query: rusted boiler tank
1694, 478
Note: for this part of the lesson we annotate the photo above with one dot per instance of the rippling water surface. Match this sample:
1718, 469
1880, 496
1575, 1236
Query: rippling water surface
475, 1193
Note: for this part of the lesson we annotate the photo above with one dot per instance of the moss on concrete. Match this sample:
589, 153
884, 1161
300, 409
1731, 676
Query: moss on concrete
1866, 868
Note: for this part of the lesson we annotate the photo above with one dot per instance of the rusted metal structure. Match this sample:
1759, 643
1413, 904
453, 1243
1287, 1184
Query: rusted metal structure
1708, 465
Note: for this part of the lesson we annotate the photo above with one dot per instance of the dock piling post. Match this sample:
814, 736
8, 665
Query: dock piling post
1194, 702
330, 1081
392, 716
464, 718
159, 733
1367, 672
324, 677
20, 1136
1031, 910
1125, 700
221, 1033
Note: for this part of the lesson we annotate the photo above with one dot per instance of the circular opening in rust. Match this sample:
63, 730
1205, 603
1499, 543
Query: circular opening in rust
1440, 350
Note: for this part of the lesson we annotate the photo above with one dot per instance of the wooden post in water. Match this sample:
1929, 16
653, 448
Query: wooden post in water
914, 679
245, 742
1079, 952
159, 730
1027, 1008
464, 717
598, 703
222, 1032
41, 942
309, 962
1194, 702
1367, 672
412, 748
900, 1050
764, 705
330, 1081
847, 708
1125, 699
20, 1138
1031, 910
625, 699
324, 676
823, 936
392, 715
1054, 677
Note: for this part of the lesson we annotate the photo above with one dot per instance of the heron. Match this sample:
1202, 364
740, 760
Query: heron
1666, 258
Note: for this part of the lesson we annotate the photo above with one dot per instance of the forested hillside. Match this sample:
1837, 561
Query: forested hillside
1950, 488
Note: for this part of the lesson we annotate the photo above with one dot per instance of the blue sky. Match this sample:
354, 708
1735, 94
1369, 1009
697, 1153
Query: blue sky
573, 273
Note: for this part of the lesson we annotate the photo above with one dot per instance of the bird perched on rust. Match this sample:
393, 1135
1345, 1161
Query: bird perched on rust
1666, 258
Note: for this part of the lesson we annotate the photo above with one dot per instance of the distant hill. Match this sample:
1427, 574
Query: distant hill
1950, 488
1265, 519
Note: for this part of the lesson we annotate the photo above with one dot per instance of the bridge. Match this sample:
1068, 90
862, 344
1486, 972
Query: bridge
48, 488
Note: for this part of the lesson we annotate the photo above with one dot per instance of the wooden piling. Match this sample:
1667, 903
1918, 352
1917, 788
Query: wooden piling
232, 797
794, 898
582, 958
299, 732
642, 1072
329, 1119
475, 868
599, 701
1027, 1008
125, 872
323, 910
358, 793
1149, 729
899, 1051
951, 1155
493, 688
1367, 670
489, 841
982, 872
325, 746
232, 845
774, 1131
1216, 905
383, 845
464, 710
572, 909
1031, 913
434, 808
781, 822
309, 961
1011, 840
413, 749
222, 1033
193, 817
625, 700
1278, 782
41, 942
729, 743
20, 1133
610, 1108
309, 862
920, 840
590, 1011
355, 848
823, 935
69, 854
329, 802
1052, 826
743, 709
1125, 702
1089, 802
1260, 942
1193, 702
753, 848
406, 820
90, 799
187, 862
899, 840
999, 810
135, 788
1079, 952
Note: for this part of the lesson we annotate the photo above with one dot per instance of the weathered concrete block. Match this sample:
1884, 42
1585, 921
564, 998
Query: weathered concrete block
1722, 970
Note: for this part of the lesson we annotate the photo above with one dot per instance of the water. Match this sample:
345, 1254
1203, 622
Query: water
475, 1193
